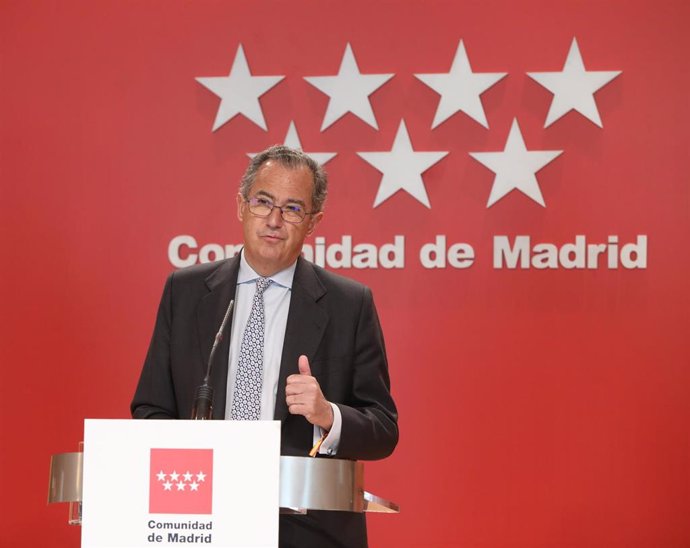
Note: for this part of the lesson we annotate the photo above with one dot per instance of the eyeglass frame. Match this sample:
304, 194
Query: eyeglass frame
248, 201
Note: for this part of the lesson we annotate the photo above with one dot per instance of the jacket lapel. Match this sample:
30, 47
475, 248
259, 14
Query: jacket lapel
306, 324
221, 284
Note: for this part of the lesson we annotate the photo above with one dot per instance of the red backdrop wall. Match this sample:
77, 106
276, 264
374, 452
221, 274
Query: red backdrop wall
538, 407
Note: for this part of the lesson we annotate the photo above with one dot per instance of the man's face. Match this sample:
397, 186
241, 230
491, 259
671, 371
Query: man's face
270, 243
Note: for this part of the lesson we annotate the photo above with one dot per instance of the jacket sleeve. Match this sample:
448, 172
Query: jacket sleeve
155, 394
370, 418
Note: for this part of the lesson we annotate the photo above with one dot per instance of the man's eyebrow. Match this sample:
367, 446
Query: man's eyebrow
273, 198
264, 193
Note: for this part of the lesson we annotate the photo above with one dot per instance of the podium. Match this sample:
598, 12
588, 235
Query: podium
125, 453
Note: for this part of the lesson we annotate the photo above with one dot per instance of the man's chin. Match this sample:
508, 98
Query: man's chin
269, 260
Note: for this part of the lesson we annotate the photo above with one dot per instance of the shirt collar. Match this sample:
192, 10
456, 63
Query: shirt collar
248, 274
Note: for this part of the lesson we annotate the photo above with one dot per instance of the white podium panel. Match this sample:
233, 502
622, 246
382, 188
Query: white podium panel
151, 483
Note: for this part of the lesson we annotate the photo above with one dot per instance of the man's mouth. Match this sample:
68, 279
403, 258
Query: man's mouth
271, 237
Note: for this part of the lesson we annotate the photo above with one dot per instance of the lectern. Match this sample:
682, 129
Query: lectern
154, 482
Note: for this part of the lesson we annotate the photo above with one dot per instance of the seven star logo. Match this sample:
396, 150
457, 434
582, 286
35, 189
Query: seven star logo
460, 90
180, 481
173, 492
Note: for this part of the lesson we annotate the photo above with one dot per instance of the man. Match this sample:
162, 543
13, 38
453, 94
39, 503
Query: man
322, 368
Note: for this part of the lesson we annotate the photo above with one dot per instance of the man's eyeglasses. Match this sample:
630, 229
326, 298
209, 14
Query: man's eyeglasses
290, 212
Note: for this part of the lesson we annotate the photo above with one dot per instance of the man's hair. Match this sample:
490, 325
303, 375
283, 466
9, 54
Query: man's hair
293, 159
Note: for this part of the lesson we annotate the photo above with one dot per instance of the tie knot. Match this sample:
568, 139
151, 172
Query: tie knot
262, 284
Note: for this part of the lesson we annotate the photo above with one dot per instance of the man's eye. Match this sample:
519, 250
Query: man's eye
293, 208
263, 202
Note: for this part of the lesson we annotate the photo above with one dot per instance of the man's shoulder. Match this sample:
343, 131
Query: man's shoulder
335, 282
203, 272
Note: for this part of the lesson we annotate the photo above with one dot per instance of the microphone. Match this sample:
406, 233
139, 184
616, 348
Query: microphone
203, 398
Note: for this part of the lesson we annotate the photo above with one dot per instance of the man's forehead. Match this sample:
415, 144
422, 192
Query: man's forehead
274, 177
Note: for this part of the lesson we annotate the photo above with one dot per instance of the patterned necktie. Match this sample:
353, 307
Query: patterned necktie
246, 398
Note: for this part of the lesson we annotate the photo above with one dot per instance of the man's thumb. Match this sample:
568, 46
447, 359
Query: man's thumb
303, 365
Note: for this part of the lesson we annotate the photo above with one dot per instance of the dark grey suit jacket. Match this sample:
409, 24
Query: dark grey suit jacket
332, 320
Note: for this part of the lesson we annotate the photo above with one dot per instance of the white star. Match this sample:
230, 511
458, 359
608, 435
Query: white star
174, 476
167, 486
160, 476
187, 476
292, 141
574, 87
239, 92
402, 168
515, 167
200, 476
349, 91
194, 486
460, 89
180, 486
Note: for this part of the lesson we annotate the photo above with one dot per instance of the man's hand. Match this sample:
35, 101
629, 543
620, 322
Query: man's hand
304, 397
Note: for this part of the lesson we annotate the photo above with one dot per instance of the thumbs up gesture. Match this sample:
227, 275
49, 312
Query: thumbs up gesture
304, 397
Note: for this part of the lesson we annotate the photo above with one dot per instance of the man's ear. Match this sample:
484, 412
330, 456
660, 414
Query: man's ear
313, 221
240, 206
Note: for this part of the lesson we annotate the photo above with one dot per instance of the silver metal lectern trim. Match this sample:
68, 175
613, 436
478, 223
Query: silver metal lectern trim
65, 477
321, 484
305, 484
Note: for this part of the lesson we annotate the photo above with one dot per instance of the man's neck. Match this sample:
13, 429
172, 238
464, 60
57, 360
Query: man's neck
268, 273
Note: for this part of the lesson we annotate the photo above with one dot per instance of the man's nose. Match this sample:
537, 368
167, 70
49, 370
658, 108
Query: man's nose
275, 218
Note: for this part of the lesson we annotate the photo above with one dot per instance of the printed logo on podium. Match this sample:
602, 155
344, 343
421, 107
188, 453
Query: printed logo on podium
181, 481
